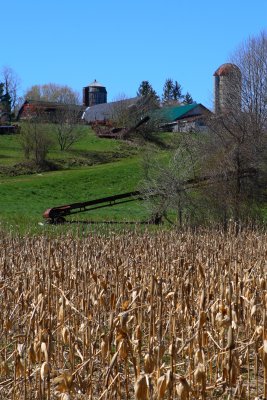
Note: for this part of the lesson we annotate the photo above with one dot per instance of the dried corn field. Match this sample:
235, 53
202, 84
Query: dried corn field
167, 315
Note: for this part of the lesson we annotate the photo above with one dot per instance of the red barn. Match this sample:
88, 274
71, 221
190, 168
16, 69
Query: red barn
44, 109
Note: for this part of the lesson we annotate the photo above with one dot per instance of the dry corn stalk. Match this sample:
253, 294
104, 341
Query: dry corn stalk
45, 369
141, 388
183, 389
109, 305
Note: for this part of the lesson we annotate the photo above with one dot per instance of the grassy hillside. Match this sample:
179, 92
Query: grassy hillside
29, 196
89, 150
92, 168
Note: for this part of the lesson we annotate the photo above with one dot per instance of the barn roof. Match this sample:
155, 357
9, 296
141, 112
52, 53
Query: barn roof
174, 113
47, 105
43, 103
105, 111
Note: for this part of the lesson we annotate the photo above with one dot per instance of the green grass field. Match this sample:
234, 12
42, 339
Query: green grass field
39, 191
10, 150
91, 169
88, 150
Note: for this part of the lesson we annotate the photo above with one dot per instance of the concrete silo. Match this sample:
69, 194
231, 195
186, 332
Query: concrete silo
94, 94
227, 88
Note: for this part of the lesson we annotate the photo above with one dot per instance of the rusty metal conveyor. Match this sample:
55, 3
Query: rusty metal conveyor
58, 214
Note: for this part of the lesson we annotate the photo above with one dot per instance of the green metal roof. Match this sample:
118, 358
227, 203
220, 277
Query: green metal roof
172, 113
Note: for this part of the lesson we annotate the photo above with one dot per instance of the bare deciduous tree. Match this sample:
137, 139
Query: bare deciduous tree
11, 83
54, 93
231, 156
238, 140
251, 58
129, 113
120, 111
170, 182
66, 122
35, 141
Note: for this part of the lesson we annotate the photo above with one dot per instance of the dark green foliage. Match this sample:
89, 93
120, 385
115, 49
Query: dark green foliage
177, 91
188, 98
5, 103
1, 89
167, 91
172, 92
146, 90
11, 85
1, 96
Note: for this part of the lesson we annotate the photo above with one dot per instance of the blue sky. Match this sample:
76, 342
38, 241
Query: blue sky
122, 42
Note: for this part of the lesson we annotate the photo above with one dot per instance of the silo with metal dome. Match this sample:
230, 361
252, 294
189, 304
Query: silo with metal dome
227, 88
93, 94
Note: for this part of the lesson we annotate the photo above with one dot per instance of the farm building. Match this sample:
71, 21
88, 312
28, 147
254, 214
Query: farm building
227, 88
45, 109
94, 94
178, 118
183, 118
107, 111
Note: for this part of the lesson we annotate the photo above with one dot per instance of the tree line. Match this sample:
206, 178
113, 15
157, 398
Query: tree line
10, 101
171, 95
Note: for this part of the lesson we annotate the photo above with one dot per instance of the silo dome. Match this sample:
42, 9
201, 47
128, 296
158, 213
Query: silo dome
227, 88
96, 84
226, 69
94, 93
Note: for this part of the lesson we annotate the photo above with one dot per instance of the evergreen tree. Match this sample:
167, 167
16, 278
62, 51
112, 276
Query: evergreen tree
11, 84
172, 92
1, 95
5, 103
146, 89
188, 98
168, 88
177, 91
1, 90
147, 92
